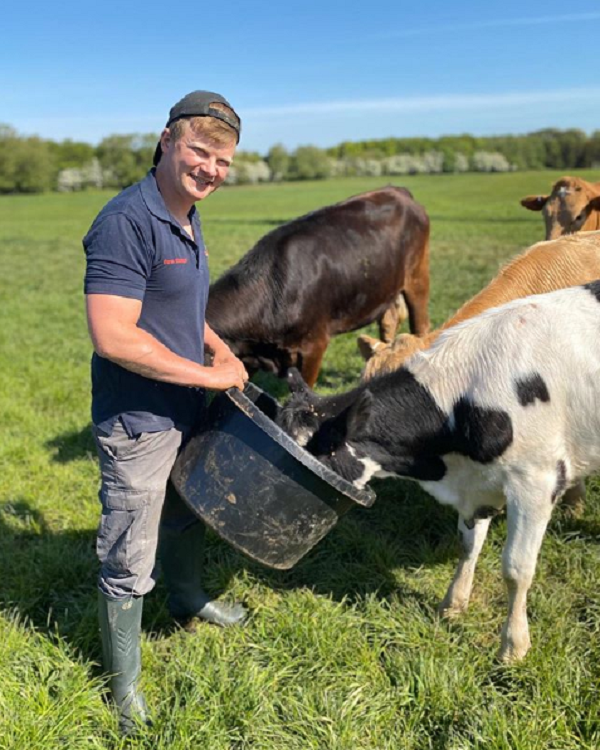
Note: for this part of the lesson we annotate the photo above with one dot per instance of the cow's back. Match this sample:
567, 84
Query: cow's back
542, 340
333, 270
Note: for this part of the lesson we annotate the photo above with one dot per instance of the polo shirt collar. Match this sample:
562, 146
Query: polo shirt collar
156, 204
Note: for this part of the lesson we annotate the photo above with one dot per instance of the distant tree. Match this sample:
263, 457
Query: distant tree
573, 148
593, 151
125, 159
26, 164
278, 160
71, 154
309, 163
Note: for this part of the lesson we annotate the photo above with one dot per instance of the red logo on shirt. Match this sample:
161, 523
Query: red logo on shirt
175, 261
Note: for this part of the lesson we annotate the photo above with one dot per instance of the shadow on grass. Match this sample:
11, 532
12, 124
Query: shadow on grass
71, 446
49, 575
362, 554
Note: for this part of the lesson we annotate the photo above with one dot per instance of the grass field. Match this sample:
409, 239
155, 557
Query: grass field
344, 652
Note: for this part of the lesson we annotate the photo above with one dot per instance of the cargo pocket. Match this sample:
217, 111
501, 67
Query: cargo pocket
122, 529
118, 445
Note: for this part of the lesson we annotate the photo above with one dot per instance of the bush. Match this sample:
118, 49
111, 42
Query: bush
248, 173
80, 178
309, 163
485, 161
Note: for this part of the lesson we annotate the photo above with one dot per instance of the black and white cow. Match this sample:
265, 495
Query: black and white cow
502, 410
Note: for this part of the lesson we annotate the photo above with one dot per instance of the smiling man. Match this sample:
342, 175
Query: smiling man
146, 289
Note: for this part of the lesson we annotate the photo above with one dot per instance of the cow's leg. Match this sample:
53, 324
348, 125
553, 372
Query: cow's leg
528, 513
312, 356
457, 597
574, 500
392, 319
416, 295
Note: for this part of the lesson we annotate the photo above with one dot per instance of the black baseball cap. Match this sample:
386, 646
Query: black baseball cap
200, 104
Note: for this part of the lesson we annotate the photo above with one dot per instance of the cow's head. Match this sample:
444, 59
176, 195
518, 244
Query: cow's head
567, 208
320, 423
299, 417
261, 356
325, 424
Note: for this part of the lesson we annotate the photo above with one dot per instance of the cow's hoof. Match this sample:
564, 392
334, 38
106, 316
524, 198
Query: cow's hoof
447, 611
573, 502
573, 510
512, 655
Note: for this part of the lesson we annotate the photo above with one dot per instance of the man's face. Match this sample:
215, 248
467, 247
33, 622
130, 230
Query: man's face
196, 165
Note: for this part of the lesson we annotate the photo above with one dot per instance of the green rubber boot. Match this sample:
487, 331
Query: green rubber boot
120, 626
182, 560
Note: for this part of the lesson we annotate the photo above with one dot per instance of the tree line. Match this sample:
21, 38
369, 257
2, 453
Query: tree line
30, 164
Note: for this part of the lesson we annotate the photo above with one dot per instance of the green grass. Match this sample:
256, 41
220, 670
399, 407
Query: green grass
343, 652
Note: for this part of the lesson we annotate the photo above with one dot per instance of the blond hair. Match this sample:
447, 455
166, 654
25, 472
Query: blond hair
208, 127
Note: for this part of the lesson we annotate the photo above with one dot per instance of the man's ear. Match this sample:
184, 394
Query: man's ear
534, 202
165, 139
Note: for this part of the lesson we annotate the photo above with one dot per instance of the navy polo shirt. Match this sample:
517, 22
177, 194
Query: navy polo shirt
136, 249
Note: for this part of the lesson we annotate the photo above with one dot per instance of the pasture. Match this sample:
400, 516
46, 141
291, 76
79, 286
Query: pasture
345, 651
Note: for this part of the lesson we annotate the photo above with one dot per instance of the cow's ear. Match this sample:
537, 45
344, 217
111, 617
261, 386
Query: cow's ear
359, 415
534, 202
296, 381
367, 346
594, 204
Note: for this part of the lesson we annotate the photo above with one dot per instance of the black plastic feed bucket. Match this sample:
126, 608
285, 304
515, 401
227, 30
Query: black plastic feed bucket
255, 486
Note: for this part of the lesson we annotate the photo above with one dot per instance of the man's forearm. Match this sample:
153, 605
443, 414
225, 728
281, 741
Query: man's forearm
141, 353
213, 341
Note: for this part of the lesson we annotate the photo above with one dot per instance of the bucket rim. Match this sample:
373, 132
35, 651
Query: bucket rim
365, 497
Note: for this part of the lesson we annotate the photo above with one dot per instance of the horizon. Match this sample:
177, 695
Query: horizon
478, 71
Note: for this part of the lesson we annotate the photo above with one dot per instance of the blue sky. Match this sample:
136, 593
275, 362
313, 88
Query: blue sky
302, 72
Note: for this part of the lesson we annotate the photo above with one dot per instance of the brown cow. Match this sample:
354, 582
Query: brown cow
331, 271
572, 206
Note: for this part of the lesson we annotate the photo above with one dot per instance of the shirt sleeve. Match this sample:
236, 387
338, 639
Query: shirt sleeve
118, 261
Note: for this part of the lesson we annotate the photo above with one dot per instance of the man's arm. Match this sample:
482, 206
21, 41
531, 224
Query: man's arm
216, 345
112, 323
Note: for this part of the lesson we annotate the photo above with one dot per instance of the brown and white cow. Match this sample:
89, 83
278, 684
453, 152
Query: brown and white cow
572, 206
334, 270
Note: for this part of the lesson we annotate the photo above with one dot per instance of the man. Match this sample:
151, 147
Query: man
146, 288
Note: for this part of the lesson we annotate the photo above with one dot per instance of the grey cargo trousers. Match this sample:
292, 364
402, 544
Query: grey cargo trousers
136, 498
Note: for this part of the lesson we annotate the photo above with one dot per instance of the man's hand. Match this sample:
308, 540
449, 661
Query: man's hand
223, 357
230, 373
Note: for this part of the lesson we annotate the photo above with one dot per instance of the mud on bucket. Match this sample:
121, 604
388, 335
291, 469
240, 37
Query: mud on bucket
255, 486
